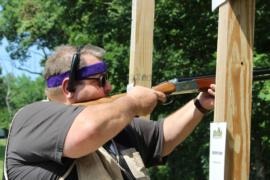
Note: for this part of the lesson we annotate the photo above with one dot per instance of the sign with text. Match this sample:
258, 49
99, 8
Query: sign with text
217, 3
217, 150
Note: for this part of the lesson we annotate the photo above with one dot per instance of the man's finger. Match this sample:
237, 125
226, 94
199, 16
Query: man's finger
211, 92
213, 87
160, 96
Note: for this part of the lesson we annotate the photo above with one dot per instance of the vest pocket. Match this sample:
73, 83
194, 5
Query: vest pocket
135, 164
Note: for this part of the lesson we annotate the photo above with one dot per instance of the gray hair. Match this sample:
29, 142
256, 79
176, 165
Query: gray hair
60, 61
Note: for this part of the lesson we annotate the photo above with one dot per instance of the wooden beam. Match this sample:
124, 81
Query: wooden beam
141, 48
234, 83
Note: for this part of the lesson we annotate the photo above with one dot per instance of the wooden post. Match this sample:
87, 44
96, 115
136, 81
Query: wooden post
141, 48
234, 83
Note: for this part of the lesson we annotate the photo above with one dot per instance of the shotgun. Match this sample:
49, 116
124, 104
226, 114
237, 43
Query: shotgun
185, 85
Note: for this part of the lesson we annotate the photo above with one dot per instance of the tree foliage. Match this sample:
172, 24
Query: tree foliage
3, 109
185, 38
16, 93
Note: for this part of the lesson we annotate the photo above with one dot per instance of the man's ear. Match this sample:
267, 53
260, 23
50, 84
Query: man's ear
65, 91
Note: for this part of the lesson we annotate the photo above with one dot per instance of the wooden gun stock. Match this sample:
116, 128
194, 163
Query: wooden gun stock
165, 87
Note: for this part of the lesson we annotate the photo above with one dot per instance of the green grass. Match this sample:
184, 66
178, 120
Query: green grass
2, 152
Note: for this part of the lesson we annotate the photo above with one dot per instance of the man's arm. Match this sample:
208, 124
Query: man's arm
181, 123
96, 124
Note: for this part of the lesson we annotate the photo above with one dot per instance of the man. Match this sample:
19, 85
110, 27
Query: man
46, 137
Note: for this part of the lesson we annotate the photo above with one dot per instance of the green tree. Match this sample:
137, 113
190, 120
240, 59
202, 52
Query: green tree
3, 110
17, 92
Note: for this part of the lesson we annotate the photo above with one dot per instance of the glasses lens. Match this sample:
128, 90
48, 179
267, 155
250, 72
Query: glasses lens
102, 80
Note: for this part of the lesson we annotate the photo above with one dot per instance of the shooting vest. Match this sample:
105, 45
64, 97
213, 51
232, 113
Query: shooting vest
101, 166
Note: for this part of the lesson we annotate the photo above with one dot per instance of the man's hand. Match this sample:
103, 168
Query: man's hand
207, 99
145, 99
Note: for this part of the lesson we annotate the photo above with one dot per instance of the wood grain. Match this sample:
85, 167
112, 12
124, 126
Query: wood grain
234, 83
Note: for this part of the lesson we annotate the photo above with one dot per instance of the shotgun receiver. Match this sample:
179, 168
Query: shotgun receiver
185, 85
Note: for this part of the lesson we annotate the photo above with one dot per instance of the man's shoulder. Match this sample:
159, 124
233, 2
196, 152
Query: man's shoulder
43, 110
44, 104
30, 107
36, 104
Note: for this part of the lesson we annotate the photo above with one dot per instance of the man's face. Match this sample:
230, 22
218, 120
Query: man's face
91, 89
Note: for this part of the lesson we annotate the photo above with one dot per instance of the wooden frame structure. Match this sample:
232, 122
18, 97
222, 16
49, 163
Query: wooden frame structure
233, 72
